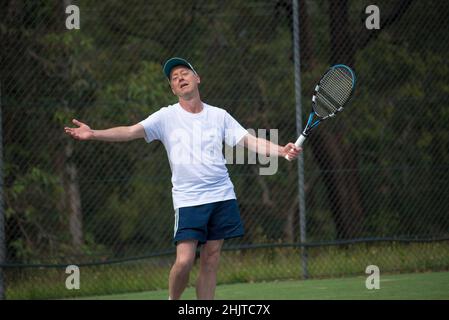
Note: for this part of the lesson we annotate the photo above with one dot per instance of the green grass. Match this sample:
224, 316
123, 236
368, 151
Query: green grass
392, 287
241, 266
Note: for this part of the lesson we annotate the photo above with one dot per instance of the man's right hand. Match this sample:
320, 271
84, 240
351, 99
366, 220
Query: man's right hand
83, 132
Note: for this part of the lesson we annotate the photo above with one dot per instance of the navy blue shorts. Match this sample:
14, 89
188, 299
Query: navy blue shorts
210, 221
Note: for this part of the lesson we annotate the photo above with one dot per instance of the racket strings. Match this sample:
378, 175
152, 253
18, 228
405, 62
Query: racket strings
338, 85
333, 92
323, 106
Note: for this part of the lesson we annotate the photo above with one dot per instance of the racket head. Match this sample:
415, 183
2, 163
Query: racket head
333, 91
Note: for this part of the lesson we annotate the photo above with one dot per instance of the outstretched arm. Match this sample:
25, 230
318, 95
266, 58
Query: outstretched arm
268, 148
117, 134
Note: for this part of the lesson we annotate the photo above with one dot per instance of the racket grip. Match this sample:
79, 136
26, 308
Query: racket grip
298, 144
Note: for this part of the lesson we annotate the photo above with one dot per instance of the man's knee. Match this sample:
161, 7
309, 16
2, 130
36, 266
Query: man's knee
185, 255
184, 263
210, 259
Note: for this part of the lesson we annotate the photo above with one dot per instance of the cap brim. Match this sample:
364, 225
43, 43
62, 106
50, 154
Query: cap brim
173, 62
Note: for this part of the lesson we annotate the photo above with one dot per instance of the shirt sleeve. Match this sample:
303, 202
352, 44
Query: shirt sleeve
153, 126
234, 132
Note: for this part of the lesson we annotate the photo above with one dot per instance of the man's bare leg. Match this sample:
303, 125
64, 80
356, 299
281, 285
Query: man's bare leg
207, 278
179, 274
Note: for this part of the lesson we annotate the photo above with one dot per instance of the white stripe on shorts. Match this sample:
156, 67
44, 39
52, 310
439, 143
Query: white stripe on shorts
176, 222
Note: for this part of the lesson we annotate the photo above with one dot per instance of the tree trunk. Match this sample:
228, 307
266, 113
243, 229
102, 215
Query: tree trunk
342, 48
70, 174
73, 200
332, 155
308, 60
338, 165
343, 191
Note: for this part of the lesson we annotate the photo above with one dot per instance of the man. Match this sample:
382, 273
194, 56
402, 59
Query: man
206, 210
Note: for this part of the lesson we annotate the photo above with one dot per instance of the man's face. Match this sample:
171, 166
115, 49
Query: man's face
183, 81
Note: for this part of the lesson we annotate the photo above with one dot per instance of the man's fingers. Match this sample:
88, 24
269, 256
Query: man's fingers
71, 132
293, 146
293, 151
78, 123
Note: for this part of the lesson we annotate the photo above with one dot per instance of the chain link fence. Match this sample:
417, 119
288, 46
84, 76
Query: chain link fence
375, 177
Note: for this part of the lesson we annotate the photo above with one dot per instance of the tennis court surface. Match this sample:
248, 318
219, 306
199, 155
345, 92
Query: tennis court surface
421, 286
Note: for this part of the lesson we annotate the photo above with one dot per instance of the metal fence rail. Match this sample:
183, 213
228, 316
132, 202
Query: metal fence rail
377, 172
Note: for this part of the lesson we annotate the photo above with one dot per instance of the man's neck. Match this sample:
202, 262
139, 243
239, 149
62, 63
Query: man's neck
194, 105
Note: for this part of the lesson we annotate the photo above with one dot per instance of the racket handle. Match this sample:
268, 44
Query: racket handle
298, 144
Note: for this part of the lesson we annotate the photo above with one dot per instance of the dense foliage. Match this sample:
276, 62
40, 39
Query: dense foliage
67, 198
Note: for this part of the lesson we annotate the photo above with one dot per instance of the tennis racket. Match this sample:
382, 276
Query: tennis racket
331, 94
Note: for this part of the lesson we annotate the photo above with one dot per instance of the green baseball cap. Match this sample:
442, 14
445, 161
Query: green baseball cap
173, 62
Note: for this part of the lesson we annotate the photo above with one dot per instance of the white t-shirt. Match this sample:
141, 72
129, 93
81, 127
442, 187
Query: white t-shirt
194, 145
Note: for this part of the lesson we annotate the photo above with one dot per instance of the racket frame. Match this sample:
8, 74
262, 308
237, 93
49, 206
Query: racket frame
313, 124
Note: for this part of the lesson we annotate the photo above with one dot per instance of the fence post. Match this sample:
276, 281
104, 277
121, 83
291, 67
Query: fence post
301, 197
2, 211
